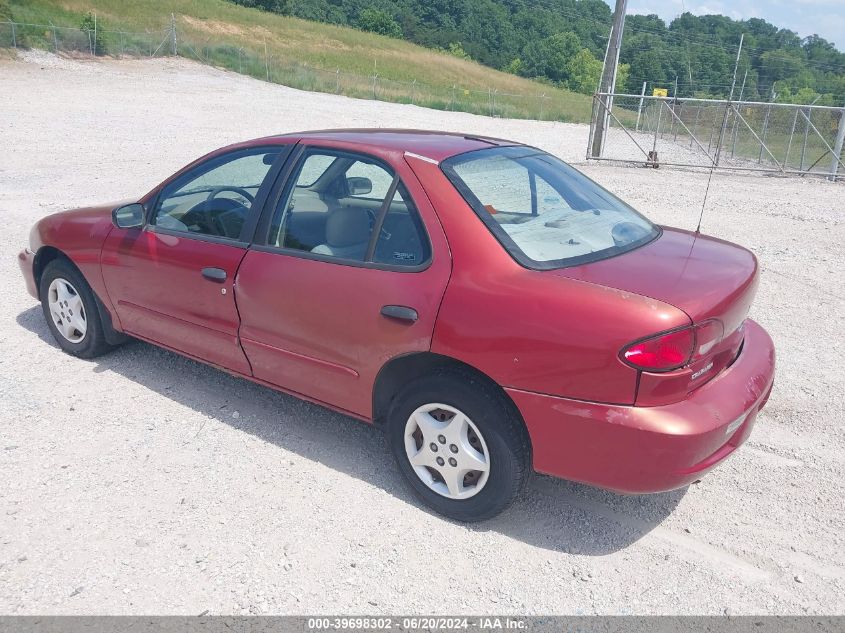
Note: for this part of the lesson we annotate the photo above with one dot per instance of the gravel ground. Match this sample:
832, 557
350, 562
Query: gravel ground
143, 482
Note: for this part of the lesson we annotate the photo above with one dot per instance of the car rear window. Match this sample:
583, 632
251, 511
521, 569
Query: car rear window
544, 212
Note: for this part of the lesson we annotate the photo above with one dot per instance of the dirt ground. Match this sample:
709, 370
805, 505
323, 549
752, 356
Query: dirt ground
143, 482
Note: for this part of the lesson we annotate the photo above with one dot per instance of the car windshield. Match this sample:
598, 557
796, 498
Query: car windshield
544, 212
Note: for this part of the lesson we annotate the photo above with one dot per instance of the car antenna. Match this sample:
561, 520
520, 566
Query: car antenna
728, 107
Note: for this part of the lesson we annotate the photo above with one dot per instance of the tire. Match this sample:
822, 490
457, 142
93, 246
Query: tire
84, 342
494, 431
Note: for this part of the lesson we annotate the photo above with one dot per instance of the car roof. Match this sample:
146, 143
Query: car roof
434, 145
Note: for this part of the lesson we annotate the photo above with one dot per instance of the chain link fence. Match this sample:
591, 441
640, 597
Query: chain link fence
262, 65
63, 39
736, 135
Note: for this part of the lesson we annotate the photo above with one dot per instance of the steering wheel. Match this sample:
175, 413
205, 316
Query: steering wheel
238, 190
211, 212
206, 214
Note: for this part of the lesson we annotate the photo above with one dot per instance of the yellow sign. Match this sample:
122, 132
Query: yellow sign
660, 92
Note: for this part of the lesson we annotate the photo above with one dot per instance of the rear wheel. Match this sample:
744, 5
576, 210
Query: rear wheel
70, 309
459, 444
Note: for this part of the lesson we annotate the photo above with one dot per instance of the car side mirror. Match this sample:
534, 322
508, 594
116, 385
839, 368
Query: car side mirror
129, 216
358, 185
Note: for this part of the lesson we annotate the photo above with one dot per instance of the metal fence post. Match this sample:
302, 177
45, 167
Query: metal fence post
337, 80
640, 108
678, 114
837, 149
765, 132
791, 136
806, 136
721, 139
659, 118
55, 39
712, 131
806, 131
734, 132
695, 125
173, 34
375, 79
14, 36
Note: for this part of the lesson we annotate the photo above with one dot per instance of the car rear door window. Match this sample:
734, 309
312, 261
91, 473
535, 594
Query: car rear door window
349, 207
215, 198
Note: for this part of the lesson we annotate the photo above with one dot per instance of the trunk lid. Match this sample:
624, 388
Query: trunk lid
705, 277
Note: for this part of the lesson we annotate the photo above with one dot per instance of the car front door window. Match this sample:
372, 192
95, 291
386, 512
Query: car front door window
215, 199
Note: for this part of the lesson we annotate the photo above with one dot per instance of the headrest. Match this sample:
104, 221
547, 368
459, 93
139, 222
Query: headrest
347, 226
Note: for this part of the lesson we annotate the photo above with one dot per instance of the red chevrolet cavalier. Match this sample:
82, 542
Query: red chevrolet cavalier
490, 307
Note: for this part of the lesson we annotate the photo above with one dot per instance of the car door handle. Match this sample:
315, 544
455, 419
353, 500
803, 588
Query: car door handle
402, 313
214, 274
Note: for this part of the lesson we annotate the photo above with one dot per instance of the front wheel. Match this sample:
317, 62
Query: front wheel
70, 309
460, 445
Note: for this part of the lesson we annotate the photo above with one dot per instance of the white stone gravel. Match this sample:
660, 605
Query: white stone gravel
143, 482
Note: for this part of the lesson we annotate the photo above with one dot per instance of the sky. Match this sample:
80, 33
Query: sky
806, 17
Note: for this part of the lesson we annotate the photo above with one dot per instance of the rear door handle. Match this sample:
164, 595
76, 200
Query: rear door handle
402, 313
214, 274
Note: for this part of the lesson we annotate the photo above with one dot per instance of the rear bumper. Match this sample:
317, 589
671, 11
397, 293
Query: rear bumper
26, 260
652, 449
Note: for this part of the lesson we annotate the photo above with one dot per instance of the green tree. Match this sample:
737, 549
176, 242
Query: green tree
551, 56
5, 11
780, 65
623, 74
95, 32
456, 50
584, 72
274, 6
515, 67
379, 22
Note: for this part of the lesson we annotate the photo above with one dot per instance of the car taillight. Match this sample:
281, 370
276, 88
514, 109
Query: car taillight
707, 335
663, 352
672, 350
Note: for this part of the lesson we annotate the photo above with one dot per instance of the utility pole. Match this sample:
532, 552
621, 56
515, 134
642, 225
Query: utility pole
607, 85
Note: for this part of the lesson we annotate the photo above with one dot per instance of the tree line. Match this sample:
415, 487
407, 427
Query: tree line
563, 42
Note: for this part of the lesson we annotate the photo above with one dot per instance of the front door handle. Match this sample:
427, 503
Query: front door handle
214, 274
402, 313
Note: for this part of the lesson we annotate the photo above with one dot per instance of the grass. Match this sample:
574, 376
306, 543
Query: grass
305, 54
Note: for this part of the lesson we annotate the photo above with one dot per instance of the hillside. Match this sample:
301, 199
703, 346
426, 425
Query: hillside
542, 38
305, 54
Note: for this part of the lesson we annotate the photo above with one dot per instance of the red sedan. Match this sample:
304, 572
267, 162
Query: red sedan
490, 307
